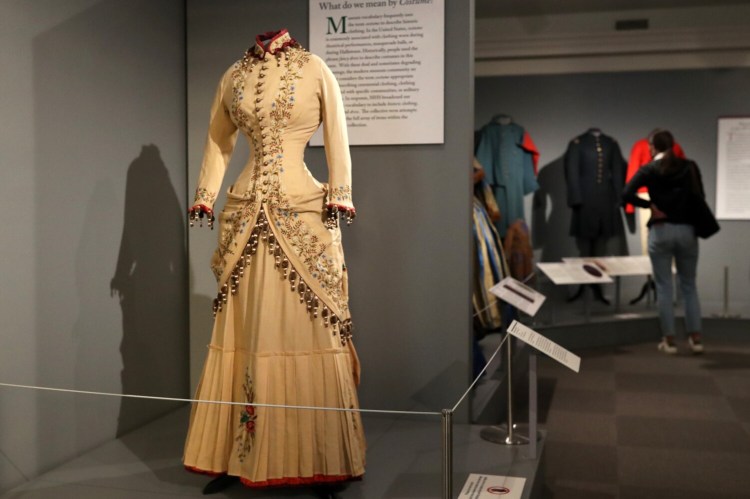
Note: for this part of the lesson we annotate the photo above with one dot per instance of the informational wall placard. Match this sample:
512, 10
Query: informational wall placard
492, 486
733, 169
388, 57
574, 273
519, 295
545, 345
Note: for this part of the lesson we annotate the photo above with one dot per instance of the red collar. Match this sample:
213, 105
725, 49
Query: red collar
271, 42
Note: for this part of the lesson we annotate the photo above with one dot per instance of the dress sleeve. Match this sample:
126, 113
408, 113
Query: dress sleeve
222, 136
336, 142
528, 145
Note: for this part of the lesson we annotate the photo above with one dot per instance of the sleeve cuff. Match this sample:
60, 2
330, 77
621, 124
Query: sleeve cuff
341, 197
204, 197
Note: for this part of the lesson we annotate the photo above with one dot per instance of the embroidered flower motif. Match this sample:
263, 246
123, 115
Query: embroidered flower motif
341, 193
204, 196
246, 435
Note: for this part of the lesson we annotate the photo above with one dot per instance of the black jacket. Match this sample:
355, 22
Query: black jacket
595, 175
670, 192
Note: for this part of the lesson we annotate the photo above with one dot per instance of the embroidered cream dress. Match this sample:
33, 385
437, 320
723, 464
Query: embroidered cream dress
282, 333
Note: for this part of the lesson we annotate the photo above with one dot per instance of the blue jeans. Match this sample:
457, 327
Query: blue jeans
678, 241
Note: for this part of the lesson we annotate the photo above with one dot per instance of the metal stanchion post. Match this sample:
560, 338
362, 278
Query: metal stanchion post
447, 420
510, 439
618, 285
499, 434
533, 407
587, 291
725, 306
726, 291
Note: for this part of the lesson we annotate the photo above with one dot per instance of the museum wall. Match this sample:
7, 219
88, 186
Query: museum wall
408, 252
93, 188
627, 105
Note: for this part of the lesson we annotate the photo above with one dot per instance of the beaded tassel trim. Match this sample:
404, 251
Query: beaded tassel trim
315, 306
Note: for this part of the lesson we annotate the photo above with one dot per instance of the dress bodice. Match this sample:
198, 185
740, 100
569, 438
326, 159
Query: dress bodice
277, 96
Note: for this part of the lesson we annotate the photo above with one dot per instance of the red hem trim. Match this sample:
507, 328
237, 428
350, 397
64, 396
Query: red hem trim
297, 481
199, 471
281, 482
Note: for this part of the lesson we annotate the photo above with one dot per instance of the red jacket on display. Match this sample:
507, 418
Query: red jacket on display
641, 155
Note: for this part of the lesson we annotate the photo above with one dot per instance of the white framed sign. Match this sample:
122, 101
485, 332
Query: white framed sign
733, 169
388, 57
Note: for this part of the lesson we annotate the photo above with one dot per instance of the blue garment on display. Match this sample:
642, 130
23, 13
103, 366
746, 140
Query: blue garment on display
507, 155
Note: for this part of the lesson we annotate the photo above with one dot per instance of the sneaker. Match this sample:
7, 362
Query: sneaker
667, 345
695, 344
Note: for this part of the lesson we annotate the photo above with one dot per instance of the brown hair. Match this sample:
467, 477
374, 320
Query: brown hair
663, 142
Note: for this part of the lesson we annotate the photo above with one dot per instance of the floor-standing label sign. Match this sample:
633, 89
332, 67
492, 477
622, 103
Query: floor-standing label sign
544, 345
388, 57
492, 487
519, 295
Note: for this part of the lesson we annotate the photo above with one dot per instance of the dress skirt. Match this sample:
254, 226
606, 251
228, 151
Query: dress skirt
266, 348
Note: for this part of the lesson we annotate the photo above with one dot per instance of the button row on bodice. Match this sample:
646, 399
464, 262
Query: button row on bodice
263, 117
264, 161
600, 163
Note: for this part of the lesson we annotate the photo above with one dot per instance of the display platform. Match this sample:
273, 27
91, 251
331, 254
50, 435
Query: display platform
403, 461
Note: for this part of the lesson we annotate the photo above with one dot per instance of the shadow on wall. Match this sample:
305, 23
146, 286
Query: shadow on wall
551, 219
148, 278
550, 214
94, 104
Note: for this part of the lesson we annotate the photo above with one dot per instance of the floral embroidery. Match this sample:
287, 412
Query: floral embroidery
341, 193
235, 224
248, 418
204, 196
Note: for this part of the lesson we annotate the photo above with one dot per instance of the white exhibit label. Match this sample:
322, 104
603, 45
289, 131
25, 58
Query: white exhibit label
733, 169
388, 57
492, 487
519, 295
574, 273
545, 345
617, 265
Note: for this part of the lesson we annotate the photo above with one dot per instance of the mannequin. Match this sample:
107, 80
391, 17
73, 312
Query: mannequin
595, 176
283, 331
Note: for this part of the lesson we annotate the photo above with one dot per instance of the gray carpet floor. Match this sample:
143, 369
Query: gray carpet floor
635, 423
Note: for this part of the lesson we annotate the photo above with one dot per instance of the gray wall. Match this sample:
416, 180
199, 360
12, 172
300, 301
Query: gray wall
626, 106
93, 178
408, 252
